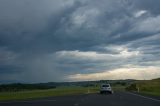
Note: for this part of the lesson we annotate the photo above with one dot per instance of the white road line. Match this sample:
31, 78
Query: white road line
144, 97
76, 104
31, 101
90, 93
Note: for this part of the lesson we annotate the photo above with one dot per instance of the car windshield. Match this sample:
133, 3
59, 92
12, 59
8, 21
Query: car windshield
105, 85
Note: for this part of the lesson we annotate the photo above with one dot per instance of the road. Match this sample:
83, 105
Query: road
116, 99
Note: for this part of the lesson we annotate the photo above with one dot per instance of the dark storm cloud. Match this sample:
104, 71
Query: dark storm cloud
9, 69
152, 7
57, 38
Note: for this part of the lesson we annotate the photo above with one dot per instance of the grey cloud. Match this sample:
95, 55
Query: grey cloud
149, 5
32, 32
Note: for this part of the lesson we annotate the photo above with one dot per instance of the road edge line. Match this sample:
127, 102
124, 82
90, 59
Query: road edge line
144, 97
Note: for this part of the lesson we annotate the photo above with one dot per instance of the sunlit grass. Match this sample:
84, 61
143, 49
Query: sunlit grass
147, 87
150, 87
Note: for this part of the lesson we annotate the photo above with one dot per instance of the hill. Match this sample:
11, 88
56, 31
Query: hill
146, 86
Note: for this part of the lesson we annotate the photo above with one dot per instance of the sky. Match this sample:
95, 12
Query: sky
79, 40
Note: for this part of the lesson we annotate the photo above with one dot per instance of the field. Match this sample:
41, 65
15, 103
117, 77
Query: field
119, 88
147, 86
45, 93
52, 92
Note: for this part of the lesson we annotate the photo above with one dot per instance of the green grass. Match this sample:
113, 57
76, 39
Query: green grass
149, 86
59, 91
45, 93
119, 88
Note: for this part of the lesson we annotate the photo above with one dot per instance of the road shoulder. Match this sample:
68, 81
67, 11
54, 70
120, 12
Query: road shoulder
146, 96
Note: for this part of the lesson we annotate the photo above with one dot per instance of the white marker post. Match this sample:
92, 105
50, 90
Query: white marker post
88, 91
138, 89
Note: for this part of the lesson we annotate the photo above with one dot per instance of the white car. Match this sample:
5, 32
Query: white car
106, 88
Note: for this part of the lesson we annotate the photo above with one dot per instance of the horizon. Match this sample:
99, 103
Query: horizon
1, 83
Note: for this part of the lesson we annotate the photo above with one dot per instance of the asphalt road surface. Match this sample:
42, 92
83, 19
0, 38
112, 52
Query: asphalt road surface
116, 99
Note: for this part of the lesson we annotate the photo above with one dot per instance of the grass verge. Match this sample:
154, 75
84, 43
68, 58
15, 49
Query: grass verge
146, 87
45, 93
59, 91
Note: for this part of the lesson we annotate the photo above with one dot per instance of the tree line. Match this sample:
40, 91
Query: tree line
21, 87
